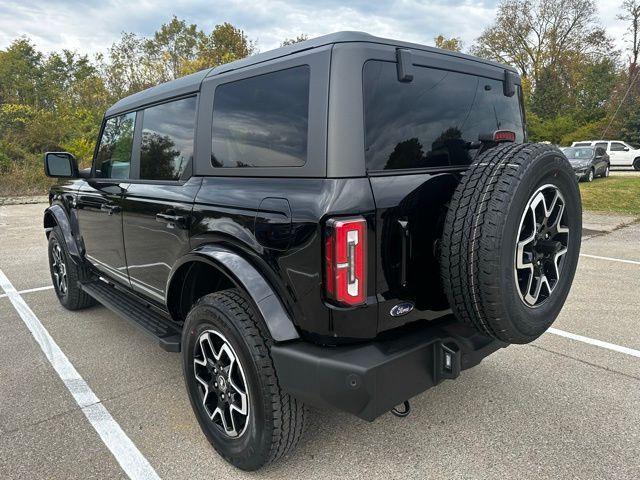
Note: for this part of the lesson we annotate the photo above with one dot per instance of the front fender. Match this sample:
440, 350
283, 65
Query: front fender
59, 215
245, 276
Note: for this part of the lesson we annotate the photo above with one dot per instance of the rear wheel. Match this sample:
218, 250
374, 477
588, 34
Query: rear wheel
607, 171
232, 383
636, 164
511, 241
65, 274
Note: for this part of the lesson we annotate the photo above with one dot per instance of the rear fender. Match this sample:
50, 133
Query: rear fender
245, 276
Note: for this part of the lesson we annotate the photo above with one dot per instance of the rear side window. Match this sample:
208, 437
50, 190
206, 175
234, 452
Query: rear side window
583, 144
602, 145
114, 153
262, 121
430, 121
167, 139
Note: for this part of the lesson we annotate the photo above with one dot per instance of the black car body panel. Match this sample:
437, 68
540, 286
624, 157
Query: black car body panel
263, 227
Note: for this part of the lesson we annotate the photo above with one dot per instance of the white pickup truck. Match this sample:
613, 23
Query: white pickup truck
621, 154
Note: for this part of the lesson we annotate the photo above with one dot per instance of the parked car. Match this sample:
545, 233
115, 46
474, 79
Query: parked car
588, 162
621, 154
343, 222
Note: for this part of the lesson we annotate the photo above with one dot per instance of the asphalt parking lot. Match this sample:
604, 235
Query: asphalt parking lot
558, 408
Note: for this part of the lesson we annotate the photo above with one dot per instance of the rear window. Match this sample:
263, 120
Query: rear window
430, 121
262, 121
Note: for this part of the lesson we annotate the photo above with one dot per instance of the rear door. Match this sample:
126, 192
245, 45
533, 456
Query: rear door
419, 137
99, 201
158, 203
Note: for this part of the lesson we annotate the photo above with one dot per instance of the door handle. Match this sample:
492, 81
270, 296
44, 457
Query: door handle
110, 208
181, 221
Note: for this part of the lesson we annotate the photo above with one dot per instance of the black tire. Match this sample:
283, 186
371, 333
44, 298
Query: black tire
275, 421
483, 227
636, 164
590, 176
70, 295
607, 171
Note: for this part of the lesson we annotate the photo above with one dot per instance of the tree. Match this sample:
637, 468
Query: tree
454, 43
173, 46
538, 34
291, 41
631, 13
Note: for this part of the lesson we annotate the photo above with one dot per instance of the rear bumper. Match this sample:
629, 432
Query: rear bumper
368, 379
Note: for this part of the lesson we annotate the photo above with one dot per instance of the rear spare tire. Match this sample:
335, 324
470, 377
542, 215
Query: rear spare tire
511, 241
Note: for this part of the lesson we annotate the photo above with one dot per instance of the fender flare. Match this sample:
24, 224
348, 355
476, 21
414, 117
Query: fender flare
62, 220
248, 278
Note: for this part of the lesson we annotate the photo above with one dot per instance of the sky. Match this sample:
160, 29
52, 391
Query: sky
91, 26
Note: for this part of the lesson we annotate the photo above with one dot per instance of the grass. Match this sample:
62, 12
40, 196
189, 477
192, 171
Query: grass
613, 194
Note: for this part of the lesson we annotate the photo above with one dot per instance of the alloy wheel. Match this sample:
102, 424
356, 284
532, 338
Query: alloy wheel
222, 383
59, 269
543, 241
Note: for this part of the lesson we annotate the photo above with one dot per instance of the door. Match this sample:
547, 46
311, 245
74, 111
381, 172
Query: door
413, 160
158, 203
600, 161
618, 153
99, 201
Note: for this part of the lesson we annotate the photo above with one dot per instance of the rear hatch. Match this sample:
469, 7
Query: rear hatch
420, 135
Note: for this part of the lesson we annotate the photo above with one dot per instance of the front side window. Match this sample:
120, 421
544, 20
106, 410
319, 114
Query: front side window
617, 147
114, 153
262, 121
431, 121
167, 139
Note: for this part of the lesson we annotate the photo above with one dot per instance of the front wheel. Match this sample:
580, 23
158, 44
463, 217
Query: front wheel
636, 164
65, 274
590, 176
232, 382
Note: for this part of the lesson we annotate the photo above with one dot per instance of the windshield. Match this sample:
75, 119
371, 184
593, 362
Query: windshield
634, 145
578, 153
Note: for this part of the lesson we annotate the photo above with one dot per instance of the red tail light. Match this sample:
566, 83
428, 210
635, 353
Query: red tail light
345, 260
504, 136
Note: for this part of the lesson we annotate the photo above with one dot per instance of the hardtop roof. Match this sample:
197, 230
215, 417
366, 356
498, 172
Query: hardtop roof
191, 83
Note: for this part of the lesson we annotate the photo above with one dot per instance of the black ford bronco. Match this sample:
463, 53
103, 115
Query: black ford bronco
344, 222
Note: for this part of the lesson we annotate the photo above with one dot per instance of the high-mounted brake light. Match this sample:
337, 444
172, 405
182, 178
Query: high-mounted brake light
504, 136
345, 260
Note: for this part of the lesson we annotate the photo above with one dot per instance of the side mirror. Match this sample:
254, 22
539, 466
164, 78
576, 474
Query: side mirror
60, 165
626, 149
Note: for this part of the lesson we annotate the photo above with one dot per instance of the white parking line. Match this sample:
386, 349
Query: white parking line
29, 290
134, 464
597, 343
611, 259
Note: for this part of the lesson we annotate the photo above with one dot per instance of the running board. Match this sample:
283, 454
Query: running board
136, 312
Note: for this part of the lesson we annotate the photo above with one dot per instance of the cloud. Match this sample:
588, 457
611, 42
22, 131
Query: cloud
91, 26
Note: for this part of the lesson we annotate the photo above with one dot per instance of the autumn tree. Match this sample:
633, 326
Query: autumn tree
292, 41
454, 43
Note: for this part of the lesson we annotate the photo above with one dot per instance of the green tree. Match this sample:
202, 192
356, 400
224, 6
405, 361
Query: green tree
454, 43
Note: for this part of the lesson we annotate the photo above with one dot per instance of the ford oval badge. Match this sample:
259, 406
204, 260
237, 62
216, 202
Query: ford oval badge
401, 309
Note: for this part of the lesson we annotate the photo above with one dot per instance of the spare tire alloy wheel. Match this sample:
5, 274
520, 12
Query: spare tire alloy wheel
223, 385
543, 242
511, 241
